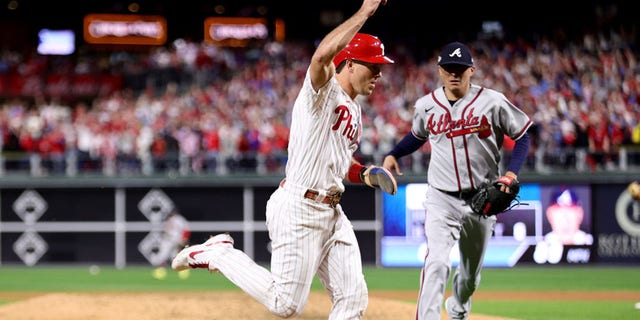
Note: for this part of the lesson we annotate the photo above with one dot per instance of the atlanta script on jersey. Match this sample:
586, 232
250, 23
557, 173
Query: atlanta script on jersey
467, 136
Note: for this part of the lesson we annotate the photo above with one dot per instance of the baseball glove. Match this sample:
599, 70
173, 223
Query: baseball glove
490, 201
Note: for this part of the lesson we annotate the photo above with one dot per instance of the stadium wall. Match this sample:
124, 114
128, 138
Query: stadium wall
98, 220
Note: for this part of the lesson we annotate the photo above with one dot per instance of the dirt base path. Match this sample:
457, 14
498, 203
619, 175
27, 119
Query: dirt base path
187, 306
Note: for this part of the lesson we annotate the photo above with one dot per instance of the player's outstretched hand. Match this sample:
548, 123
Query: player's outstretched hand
390, 163
380, 177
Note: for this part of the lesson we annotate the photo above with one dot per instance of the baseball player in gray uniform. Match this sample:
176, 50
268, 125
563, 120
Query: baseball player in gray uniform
310, 234
465, 125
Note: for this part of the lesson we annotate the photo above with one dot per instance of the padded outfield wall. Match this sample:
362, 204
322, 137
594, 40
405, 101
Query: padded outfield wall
116, 221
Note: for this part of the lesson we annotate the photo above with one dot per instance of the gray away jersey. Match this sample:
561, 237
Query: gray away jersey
466, 138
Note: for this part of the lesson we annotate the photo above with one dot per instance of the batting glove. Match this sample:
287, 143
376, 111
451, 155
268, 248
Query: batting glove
380, 177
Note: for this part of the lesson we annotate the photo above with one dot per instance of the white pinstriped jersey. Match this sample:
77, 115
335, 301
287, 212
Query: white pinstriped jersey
466, 138
324, 134
176, 229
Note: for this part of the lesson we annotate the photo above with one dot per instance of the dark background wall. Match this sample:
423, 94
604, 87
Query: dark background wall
100, 221
422, 24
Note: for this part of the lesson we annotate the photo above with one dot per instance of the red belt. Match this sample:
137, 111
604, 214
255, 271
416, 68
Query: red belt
330, 199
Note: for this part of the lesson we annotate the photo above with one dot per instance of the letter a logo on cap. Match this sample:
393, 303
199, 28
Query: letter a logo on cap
456, 53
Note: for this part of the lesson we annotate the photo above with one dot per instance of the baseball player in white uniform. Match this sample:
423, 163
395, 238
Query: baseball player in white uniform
465, 125
175, 235
310, 234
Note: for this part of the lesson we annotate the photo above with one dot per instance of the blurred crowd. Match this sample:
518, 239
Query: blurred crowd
195, 108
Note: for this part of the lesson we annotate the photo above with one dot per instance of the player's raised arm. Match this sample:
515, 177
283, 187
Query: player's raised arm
321, 66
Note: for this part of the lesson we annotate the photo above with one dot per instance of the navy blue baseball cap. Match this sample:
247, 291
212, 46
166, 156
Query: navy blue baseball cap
565, 197
455, 53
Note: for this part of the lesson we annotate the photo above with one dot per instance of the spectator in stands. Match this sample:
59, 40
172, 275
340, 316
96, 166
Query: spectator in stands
191, 81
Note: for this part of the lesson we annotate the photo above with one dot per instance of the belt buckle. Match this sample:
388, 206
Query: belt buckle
467, 194
335, 199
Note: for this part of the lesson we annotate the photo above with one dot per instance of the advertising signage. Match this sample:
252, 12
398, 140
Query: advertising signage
238, 32
618, 217
552, 224
125, 29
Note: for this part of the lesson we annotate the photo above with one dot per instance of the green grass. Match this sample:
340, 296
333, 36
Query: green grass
79, 278
527, 278
581, 278
542, 279
107, 279
533, 278
559, 310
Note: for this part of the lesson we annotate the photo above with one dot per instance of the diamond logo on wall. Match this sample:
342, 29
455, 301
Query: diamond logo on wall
155, 205
30, 247
150, 248
30, 206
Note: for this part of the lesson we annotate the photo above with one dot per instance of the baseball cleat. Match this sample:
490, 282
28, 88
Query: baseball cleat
196, 256
449, 305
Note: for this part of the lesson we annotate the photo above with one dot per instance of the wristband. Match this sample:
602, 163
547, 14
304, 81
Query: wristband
355, 172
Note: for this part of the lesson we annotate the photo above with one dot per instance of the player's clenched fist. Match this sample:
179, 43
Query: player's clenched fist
370, 6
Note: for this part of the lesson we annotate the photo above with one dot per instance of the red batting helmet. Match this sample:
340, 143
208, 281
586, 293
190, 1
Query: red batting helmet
363, 47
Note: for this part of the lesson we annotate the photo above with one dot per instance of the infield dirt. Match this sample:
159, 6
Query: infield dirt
212, 305
234, 305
